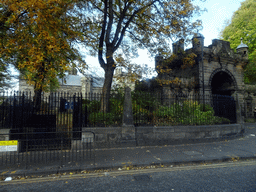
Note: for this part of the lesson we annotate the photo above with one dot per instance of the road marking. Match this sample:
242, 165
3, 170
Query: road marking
130, 172
4, 172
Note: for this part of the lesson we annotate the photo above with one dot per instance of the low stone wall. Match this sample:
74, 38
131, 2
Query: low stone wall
111, 136
4, 134
105, 137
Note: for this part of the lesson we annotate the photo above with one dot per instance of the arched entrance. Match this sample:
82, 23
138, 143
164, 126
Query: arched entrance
222, 82
223, 85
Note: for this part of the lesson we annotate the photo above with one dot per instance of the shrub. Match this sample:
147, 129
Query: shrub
148, 110
187, 113
104, 119
114, 117
143, 105
92, 106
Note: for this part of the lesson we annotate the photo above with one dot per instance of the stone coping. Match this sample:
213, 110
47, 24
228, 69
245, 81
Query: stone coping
112, 136
104, 137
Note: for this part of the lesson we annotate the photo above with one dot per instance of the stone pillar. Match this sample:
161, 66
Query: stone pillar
239, 118
4, 134
128, 129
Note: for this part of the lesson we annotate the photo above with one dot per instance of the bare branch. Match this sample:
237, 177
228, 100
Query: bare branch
128, 23
102, 35
110, 22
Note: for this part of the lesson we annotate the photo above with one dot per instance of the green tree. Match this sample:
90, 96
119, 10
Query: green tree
116, 27
243, 25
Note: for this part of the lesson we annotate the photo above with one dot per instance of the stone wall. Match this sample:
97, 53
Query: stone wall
4, 134
249, 100
217, 70
111, 136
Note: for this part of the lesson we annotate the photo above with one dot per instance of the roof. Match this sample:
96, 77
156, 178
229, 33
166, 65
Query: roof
74, 80
242, 45
98, 82
198, 35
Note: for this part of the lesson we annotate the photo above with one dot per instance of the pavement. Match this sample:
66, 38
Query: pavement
119, 158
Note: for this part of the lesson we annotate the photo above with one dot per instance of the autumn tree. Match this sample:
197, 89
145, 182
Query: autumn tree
127, 72
5, 76
37, 38
123, 26
243, 25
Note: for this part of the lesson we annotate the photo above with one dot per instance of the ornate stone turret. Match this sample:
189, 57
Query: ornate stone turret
242, 49
72, 71
178, 46
158, 61
198, 42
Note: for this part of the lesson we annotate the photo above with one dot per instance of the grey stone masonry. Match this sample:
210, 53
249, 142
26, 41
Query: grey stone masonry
4, 134
217, 69
128, 129
112, 136
127, 114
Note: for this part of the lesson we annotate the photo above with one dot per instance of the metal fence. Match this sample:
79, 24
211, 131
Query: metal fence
51, 133
47, 129
95, 117
180, 109
158, 109
65, 112
249, 108
51, 149
55, 110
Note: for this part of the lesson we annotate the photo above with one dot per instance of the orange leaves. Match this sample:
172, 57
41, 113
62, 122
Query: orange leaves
188, 60
175, 81
36, 36
183, 60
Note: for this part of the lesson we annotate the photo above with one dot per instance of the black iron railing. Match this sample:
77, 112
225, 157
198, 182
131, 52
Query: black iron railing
68, 112
49, 148
52, 133
181, 109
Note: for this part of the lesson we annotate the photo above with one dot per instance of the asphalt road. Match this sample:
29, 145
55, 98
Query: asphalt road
229, 176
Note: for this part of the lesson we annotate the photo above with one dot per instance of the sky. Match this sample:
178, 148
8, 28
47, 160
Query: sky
218, 12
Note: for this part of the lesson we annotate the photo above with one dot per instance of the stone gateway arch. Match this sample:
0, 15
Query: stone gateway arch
222, 82
217, 70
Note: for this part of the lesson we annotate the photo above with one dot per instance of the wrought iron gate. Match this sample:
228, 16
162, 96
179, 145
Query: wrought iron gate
225, 106
53, 133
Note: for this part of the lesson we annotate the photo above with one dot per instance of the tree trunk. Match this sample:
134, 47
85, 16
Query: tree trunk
37, 99
109, 71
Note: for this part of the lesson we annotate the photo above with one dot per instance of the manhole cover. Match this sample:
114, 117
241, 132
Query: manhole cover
142, 178
192, 153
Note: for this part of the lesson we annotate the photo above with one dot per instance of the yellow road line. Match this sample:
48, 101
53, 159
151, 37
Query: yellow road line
129, 172
4, 172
